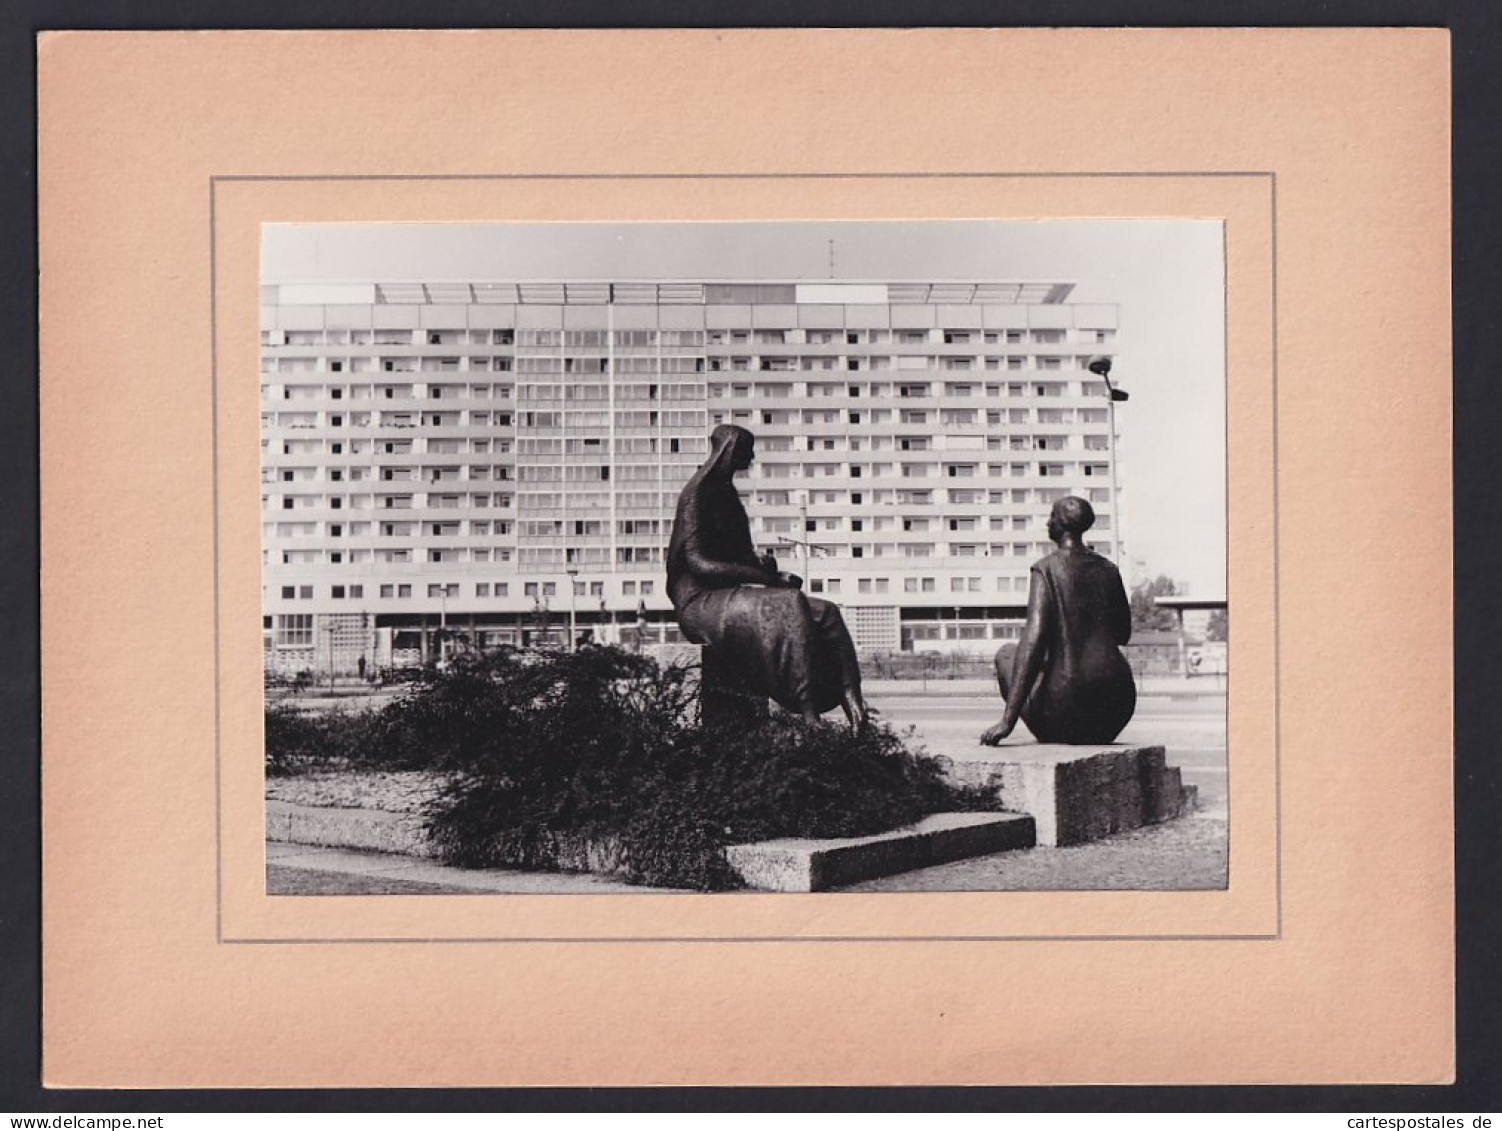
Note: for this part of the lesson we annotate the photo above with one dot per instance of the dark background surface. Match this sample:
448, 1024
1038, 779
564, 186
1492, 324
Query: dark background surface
1477, 73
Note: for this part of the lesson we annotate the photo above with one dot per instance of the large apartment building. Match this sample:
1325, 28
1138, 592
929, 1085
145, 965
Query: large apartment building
471, 464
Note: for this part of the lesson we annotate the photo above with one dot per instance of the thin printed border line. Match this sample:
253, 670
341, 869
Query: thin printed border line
293, 177
1272, 180
554, 941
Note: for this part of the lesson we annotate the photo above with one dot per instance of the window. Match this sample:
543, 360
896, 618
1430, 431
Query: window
338, 592
482, 589
294, 630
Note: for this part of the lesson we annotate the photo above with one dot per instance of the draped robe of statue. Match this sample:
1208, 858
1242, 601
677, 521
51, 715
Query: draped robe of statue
792, 648
1077, 685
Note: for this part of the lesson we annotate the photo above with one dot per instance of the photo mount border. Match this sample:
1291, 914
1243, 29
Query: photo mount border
1266, 175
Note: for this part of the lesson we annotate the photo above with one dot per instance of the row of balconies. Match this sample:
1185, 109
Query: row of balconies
1089, 447
374, 499
752, 341
785, 518
416, 393
379, 435
1056, 395
419, 501
792, 368
918, 523
411, 467
940, 566
420, 568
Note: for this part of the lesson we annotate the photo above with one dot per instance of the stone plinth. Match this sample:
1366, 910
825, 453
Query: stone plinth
1075, 793
726, 701
797, 865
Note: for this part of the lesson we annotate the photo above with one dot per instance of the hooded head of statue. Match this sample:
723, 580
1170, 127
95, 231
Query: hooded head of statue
731, 449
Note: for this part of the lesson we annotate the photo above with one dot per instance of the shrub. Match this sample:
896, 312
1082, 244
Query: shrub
546, 743
606, 746
298, 740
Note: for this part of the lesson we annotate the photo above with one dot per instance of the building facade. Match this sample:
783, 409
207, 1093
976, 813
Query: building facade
450, 465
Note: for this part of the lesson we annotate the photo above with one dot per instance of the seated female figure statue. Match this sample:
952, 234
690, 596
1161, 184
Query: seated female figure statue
777, 640
1066, 678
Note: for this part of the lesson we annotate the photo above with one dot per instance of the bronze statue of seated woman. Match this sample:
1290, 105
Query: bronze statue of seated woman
1067, 678
763, 631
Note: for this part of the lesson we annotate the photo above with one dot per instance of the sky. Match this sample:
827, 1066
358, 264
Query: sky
1166, 277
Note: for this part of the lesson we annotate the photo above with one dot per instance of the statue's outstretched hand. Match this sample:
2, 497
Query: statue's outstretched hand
789, 581
995, 734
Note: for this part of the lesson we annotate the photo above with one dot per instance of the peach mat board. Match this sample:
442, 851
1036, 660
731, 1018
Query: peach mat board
1325, 155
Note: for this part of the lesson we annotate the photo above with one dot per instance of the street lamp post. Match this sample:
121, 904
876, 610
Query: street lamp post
803, 507
573, 610
1101, 367
329, 628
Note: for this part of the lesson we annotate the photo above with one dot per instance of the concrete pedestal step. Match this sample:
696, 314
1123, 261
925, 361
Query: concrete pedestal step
788, 865
367, 830
792, 865
1075, 794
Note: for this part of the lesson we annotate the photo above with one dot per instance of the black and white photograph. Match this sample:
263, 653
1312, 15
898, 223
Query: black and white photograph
744, 557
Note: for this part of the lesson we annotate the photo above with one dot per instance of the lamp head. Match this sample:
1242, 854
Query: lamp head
1100, 366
